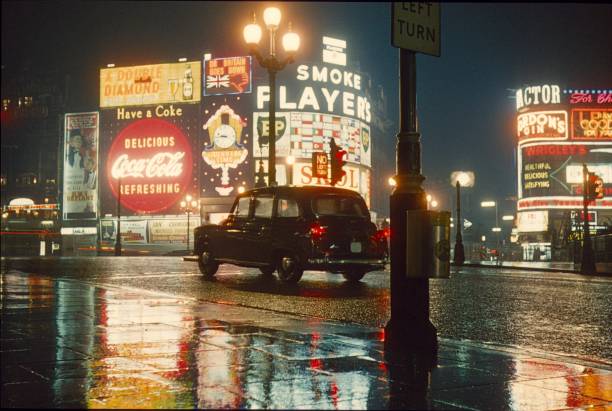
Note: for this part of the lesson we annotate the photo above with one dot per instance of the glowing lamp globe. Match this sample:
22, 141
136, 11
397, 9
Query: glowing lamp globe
252, 34
272, 17
291, 42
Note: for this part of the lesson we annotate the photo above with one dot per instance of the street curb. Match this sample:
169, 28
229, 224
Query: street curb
546, 269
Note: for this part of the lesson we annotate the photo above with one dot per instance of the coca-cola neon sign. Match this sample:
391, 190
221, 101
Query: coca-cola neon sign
153, 161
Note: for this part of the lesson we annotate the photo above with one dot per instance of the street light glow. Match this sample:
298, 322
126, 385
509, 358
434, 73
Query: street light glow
496, 229
182, 59
291, 41
434, 203
252, 34
392, 182
508, 218
241, 189
428, 198
487, 204
290, 160
465, 178
272, 17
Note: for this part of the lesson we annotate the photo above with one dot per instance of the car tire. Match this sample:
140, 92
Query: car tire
208, 265
267, 271
353, 276
289, 268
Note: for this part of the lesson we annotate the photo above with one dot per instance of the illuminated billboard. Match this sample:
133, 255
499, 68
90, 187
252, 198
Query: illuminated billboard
149, 158
80, 183
556, 169
228, 75
558, 132
150, 84
317, 102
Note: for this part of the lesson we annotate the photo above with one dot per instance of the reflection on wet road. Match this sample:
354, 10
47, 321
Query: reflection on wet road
66, 343
556, 312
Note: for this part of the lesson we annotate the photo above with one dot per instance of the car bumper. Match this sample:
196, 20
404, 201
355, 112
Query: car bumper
325, 263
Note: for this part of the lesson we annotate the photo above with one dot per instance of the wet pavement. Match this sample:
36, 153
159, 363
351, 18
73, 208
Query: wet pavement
66, 343
564, 313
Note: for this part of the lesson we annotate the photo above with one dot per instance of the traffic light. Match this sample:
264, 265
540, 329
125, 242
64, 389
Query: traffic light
595, 189
337, 162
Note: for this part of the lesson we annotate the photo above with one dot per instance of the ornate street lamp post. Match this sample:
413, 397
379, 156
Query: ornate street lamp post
465, 179
291, 43
188, 205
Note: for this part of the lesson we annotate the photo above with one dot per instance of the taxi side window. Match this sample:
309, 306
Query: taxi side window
287, 208
242, 207
263, 207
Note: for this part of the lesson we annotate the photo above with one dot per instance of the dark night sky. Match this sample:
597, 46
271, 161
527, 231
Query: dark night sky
465, 113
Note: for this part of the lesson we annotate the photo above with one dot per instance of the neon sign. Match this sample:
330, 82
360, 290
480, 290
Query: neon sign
542, 125
538, 95
152, 160
591, 123
231, 75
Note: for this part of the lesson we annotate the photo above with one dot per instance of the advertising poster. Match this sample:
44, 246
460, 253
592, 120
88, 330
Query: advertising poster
148, 159
224, 152
228, 75
132, 231
151, 84
80, 183
170, 231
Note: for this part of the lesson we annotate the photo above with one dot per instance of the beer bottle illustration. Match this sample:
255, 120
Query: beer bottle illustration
188, 84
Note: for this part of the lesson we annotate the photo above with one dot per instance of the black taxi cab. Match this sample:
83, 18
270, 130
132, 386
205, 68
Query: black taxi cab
289, 229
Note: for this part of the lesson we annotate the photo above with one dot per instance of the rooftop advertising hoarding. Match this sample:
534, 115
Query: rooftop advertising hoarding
558, 131
150, 84
317, 102
80, 182
148, 158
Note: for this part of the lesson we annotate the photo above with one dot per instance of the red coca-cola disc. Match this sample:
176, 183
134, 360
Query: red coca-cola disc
153, 161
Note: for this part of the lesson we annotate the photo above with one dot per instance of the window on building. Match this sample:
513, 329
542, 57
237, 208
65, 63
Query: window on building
5, 104
27, 101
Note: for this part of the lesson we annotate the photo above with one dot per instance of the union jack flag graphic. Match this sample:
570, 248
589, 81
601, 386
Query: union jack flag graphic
217, 81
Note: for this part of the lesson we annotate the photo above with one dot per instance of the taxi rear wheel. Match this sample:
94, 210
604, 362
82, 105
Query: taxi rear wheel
267, 271
208, 265
289, 268
353, 276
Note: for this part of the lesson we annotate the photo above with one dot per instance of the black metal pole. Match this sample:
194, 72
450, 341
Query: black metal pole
588, 259
188, 210
272, 129
409, 327
459, 251
118, 239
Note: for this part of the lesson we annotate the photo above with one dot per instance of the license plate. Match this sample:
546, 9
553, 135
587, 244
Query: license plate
355, 247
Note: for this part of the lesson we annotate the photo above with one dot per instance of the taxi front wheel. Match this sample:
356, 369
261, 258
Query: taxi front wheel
208, 265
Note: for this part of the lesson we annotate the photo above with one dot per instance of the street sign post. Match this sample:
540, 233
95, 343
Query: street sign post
416, 26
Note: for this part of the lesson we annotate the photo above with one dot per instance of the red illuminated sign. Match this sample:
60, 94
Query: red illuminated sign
588, 98
152, 159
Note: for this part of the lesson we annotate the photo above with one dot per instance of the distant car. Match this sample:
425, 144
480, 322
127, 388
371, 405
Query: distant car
291, 229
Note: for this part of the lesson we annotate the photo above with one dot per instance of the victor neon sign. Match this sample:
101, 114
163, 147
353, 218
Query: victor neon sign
538, 95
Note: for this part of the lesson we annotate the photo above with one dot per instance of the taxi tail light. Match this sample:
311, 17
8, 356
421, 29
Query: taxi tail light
382, 235
317, 231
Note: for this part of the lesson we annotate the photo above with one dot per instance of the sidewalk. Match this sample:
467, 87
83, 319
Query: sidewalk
68, 344
565, 267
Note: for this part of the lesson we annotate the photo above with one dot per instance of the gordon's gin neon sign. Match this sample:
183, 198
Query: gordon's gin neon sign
152, 159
